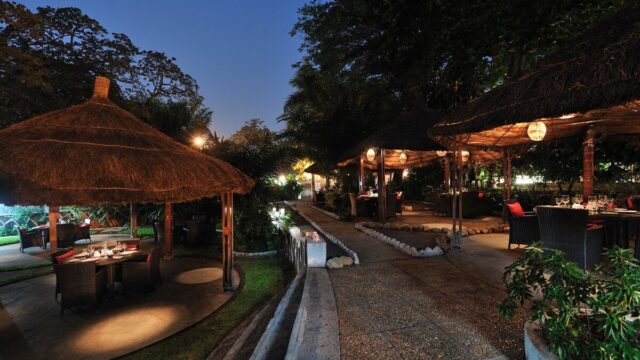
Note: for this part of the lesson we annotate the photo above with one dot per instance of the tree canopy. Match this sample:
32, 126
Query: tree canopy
49, 59
365, 62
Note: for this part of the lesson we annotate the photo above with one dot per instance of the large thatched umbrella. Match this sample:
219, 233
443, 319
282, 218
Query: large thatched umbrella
404, 144
591, 86
96, 153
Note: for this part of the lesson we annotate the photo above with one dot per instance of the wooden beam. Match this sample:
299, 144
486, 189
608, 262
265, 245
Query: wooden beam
587, 164
382, 189
168, 231
361, 177
54, 215
133, 219
227, 241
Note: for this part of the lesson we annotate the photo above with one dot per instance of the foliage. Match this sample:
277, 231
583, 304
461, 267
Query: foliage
363, 64
422, 181
49, 58
337, 200
281, 219
289, 190
581, 316
8, 240
263, 279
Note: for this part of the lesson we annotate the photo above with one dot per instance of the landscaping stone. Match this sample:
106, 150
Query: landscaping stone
334, 263
346, 261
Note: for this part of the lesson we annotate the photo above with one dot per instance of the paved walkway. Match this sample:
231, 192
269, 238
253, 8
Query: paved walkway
394, 306
31, 326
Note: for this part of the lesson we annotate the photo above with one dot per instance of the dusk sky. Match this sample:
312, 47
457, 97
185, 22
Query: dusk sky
239, 52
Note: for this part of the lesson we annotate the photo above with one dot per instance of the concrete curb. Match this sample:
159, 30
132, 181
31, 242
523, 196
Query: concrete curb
273, 328
329, 236
326, 212
315, 334
405, 248
255, 255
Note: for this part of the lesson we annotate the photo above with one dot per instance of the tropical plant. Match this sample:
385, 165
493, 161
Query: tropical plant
581, 315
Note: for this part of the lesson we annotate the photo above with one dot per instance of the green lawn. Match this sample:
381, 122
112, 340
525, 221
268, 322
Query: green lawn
264, 278
6, 240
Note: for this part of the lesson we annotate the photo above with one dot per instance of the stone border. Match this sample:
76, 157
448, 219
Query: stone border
368, 228
535, 347
327, 212
255, 255
315, 333
329, 236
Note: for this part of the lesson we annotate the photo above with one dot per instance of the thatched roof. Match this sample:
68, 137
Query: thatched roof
407, 134
97, 153
592, 82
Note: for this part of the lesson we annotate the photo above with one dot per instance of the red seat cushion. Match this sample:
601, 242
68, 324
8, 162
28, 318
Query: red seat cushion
630, 203
480, 195
149, 258
61, 258
84, 225
591, 226
132, 246
515, 209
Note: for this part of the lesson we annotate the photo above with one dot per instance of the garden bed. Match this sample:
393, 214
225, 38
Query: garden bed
418, 240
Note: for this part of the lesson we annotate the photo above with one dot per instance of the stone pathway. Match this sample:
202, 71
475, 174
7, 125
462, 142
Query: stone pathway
394, 306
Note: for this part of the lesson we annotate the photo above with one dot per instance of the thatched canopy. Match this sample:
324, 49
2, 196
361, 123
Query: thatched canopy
315, 168
592, 82
98, 153
407, 134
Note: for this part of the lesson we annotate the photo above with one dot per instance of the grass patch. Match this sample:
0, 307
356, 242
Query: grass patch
145, 232
31, 265
23, 277
264, 278
7, 240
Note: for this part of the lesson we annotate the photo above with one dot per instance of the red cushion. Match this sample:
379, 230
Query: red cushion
591, 226
132, 246
84, 225
61, 258
515, 209
630, 203
149, 258
480, 195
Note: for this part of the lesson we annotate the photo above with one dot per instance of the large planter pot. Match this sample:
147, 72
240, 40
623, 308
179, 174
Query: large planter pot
535, 348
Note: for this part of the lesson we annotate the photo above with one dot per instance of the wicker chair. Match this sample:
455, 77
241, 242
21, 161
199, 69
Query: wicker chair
54, 261
143, 272
523, 230
566, 230
27, 239
80, 284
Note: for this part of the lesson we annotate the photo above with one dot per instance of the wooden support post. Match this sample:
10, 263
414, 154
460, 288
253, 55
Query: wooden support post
167, 248
133, 219
382, 189
227, 241
313, 188
458, 238
587, 164
506, 192
454, 198
447, 174
54, 215
361, 176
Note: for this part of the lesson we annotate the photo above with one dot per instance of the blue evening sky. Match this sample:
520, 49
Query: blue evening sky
239, 52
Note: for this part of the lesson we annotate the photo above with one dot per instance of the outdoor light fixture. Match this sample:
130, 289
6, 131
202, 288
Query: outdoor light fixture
568, 116
405, 173
403, 158
464, 155
441, 153
371, 154
198, 141
537, 130
282, 179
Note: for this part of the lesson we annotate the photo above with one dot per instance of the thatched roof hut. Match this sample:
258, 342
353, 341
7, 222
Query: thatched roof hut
592, 82
407, 134
96, 153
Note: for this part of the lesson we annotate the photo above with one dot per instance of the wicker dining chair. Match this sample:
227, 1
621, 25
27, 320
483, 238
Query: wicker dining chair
523, 230
143, 272
54, 261
566, 230
81, 284
27, 239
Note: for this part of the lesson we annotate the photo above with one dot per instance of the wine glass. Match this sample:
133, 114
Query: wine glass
577, 199
558, 200
565, 200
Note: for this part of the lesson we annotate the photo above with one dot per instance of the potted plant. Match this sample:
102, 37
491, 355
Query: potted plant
572, 313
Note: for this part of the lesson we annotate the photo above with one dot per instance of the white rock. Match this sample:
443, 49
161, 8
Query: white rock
346, 261
334, 263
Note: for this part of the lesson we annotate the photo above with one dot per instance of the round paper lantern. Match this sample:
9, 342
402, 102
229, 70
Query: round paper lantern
403, 158
371, 154
465, 155
441, 153
537, 130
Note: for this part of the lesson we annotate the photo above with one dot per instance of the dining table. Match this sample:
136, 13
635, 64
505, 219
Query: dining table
108, 262
622, 220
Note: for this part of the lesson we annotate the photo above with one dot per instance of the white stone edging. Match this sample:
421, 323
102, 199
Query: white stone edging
405, 248
329, 236
535, 347
255, 255
327, 212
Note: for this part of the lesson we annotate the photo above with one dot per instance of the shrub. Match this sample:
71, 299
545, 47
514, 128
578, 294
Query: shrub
581, 315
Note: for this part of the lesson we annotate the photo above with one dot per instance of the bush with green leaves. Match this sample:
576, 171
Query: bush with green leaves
581, 315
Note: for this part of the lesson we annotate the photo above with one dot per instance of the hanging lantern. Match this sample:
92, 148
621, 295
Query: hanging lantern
465, 156
403, 158
371, 154
405, 173
537, 130
441, 153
